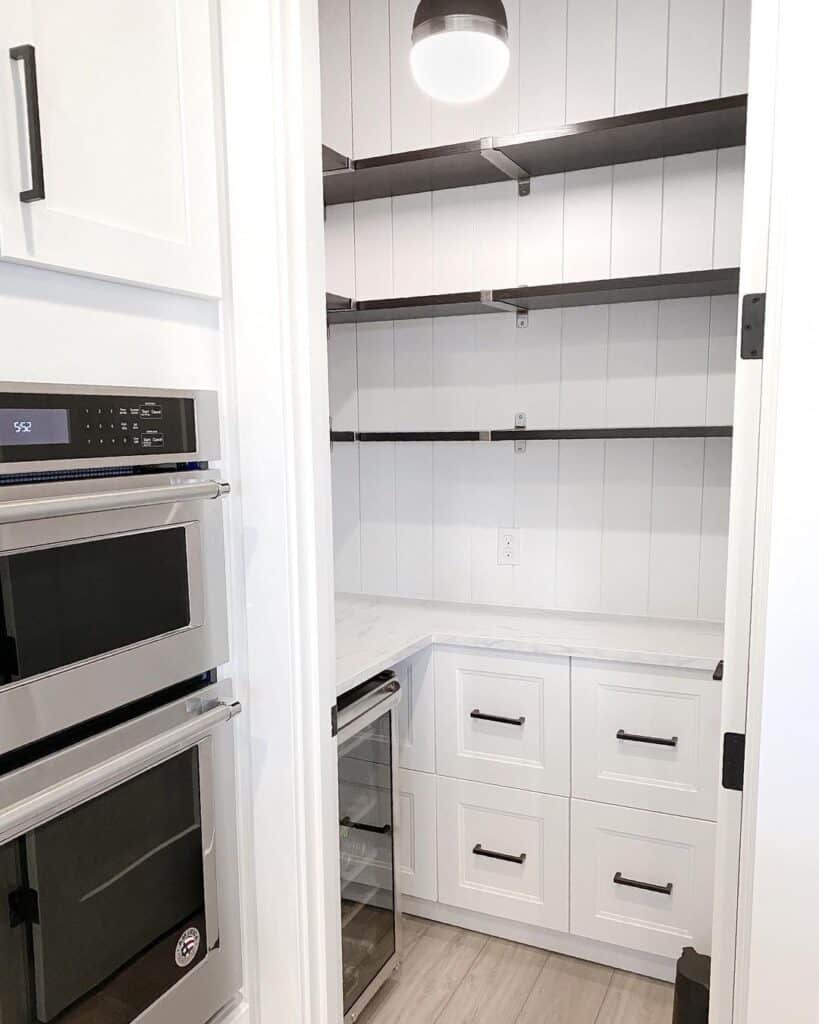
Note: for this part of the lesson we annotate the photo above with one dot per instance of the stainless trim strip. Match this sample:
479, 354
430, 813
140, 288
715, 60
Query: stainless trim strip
108, 501
355, 717
27, 814
460, 23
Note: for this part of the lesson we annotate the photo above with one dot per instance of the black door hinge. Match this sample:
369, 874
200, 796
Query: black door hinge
733, 761
752, 342
24, 907
334, 720
719, 671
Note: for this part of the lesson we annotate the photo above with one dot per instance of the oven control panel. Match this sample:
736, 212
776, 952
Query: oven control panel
38, 427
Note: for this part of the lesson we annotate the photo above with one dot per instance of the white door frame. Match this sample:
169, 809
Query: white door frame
735, 808
275, 326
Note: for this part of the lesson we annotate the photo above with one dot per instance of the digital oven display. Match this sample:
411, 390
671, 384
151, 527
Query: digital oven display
34, 426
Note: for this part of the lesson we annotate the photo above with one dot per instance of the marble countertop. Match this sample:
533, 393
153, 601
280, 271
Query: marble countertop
374, 633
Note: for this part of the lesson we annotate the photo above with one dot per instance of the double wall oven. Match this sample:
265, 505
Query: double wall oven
118, 894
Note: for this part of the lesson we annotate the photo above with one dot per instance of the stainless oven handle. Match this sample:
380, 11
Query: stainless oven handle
107, 501
27, 814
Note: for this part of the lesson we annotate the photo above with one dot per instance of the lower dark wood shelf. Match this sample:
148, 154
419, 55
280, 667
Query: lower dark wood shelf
561, 434
651, 287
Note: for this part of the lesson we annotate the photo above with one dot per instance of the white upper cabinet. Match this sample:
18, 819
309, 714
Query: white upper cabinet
128, 148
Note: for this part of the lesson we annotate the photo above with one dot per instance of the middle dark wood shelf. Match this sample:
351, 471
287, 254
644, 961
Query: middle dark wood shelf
722, 281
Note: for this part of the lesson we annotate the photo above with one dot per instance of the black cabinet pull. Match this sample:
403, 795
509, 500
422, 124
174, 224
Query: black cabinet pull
479, 851
477, 713
660, 741
35, 141
632, 883
381, 830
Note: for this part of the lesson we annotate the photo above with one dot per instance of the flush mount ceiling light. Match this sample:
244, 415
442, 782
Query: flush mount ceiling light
460, 48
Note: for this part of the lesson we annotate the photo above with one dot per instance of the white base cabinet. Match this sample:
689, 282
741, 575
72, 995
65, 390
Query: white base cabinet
417, 834
504, 852
615, 854
128, 141
503, 719
640, 879
645, 737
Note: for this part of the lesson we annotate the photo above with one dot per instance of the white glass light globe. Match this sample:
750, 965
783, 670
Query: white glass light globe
459, 66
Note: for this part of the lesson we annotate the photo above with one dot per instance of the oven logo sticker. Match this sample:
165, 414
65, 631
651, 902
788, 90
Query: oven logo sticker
187, 947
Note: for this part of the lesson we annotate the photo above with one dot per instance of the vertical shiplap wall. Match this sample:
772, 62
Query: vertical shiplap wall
634, 527
571, 60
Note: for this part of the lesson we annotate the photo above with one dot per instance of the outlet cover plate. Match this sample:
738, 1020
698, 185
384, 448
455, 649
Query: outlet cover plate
508, 546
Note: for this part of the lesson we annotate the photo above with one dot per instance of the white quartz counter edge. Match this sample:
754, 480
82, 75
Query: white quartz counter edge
366, 650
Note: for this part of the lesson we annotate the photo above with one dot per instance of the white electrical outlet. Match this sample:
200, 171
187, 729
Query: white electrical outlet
508, 546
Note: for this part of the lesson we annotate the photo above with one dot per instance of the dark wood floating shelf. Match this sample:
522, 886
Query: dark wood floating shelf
568, 434
667, 131
724, 281
333, 161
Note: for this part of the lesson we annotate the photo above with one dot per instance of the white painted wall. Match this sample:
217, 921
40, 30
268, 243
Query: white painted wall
572, 60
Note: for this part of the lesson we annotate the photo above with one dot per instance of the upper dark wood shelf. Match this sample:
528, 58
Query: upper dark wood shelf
333, 161
667, 131
723, 281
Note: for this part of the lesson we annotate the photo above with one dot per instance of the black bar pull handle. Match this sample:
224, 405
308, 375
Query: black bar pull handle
633, 883
381, 830
25, 53
477, 713
479, 851
659, 741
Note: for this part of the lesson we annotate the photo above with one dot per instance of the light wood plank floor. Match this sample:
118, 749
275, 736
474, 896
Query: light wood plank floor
451, 976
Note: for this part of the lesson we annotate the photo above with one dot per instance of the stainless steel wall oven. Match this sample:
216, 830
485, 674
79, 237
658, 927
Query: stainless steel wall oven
112, 579
118, 891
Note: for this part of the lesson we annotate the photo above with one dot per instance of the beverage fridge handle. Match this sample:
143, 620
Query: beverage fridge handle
28, 813
109, 501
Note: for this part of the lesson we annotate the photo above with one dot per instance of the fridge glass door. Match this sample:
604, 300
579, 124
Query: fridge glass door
366, 813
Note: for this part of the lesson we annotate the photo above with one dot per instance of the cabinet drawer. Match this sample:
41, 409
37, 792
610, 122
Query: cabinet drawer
671, 859
503, 719
529, 881
416, 835
416, 713
646, 737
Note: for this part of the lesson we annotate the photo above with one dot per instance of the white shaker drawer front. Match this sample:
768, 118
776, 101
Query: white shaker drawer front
640, 879
504, 852
646, 737
503, 719
416, 713
416, 834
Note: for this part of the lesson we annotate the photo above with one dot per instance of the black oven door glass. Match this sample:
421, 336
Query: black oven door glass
368, 869
61, 605
102, 909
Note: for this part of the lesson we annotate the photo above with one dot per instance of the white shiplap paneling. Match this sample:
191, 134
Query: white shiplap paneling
590, 59
694, 50
642, 52
571, 59
378, 529
624, 365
